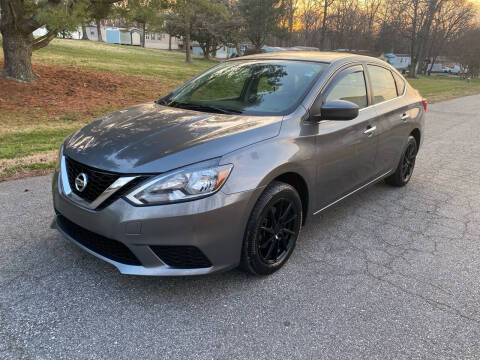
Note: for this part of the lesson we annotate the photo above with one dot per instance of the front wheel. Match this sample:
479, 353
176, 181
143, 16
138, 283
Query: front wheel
272, 230
404, 171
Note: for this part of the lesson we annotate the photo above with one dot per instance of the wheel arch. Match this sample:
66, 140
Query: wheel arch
300, 185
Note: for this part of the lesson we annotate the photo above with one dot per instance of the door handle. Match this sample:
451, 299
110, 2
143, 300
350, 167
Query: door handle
405, 117
370, 130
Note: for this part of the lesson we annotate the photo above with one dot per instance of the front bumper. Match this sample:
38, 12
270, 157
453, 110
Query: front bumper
214, 225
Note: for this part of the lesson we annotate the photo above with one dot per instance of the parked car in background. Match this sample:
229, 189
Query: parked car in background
224, 171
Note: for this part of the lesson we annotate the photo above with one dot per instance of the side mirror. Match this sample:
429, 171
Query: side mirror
337, 110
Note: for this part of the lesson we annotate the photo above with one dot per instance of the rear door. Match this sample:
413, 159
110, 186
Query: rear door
391, 115
346, 149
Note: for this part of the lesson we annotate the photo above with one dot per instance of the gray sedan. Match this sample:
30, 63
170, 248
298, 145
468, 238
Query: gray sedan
224, 171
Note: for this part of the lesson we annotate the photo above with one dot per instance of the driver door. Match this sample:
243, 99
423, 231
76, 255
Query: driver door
346, 150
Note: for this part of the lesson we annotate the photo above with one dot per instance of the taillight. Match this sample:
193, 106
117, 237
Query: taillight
424, 102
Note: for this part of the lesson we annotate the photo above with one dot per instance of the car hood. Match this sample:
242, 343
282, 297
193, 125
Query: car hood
152, 138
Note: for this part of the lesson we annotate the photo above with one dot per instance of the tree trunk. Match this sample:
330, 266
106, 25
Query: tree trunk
169, 42
237, 47
324, 24
413, 39
205, 49
214, 49
142, 39
17, 51
431, 66
99, 30
257, 42
209, 50
432, 9
188, 55
84, 32
291, 13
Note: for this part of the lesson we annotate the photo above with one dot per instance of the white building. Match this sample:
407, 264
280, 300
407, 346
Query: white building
153, 40
398, 61
161, 41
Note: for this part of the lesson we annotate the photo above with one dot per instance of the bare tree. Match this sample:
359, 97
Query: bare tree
467, 51
291, 8
453, 20
309, 16
419, 51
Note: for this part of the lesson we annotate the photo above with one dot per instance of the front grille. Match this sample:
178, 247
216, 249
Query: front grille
98, 180
101, 245
182, 257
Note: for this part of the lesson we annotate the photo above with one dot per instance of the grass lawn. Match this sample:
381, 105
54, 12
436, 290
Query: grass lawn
82, 80
443, 87
163, 65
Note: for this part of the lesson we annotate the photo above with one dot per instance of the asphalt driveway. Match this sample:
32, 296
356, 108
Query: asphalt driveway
386, 274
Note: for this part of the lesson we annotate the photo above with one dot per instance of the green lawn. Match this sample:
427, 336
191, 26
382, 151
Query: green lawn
442, 87
29, 133
24, 143
132, 60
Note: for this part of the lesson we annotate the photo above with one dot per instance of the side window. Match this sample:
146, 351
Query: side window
383, 84
400, 84
350, 87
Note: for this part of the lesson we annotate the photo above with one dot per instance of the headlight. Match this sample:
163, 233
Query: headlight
182, 185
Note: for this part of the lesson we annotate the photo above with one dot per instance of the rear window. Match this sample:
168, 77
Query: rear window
383, 84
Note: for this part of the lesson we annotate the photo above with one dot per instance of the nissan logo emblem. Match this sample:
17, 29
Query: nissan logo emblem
81, 182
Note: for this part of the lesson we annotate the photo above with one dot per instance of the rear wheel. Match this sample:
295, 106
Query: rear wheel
404, 171
272, 230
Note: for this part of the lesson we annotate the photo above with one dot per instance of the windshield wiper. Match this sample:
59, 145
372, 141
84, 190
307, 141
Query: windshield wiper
208, 108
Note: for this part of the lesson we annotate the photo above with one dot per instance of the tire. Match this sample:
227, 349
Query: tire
272, 230
404, 171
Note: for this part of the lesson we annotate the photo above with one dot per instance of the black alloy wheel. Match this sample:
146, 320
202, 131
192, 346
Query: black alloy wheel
408, 161
272, 230
404, 171
276, 231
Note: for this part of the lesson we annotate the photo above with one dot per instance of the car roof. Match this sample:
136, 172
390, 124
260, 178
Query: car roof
320, 56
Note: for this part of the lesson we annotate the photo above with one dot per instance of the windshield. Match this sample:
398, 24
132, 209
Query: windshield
249, 87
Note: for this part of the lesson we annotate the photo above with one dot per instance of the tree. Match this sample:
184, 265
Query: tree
208, 25
467, 51
84, 32
393, 35
182, 19
262, 19
144, 13
348, 23
183, 11
99, 10
453, 20
20, 18
326, 5
309, 16
233, 30
291, 7
171, 27
423, 16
